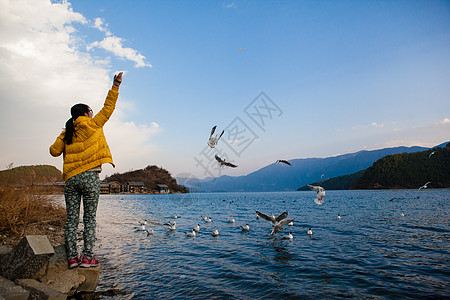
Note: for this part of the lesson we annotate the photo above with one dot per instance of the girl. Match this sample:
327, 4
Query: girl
84, 150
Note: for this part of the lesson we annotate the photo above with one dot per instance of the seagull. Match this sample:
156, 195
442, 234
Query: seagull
425, 185
208, 220
204, 218
321, 176
279, 226
320, 193
172, 226
283, 161
175, 217
245, 227
291, 224
288, 237
224, 163
272, 217
141, 228
212, 142
215, 232
231, 220
309, 232
402, 214
150, 232
338, 217
143, 222
191, 234
197, 228
431, 154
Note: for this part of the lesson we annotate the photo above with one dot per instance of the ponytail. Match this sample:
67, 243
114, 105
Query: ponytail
70, 132
76, 111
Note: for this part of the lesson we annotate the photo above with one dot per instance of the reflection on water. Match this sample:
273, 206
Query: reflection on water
372, 251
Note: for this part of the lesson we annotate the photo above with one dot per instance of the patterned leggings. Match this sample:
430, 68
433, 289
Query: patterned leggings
87, 186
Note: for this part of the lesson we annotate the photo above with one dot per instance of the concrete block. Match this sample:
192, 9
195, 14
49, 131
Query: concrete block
91, 278
28, 257
66, 281
57, 263
39, 290
10, 291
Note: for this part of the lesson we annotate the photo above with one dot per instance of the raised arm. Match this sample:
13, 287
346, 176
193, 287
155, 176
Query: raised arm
110, 103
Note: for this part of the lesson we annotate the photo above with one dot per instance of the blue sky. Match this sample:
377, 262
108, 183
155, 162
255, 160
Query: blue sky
344, 76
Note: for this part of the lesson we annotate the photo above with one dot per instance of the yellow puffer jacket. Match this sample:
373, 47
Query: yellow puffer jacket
89, 148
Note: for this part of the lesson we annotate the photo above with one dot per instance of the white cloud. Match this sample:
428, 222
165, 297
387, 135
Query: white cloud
230, 5
99, 24
45, 70
114, 44
375, 124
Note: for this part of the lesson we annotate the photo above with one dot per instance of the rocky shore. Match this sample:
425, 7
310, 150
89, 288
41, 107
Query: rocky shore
34, 269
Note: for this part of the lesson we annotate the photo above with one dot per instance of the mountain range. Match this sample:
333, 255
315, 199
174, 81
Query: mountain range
280, 177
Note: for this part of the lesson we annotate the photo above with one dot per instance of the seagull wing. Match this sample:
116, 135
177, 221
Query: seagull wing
223, 131
286, 162
279, 226
281, 216
229, 164
285, 222
219, 159
265, 217
320, 193
212, 131
313, 187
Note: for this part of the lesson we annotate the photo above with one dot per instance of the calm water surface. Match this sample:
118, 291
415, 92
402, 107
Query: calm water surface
388, 244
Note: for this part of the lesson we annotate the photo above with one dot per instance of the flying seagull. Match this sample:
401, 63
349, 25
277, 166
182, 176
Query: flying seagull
431, 154
320, 193
279, 226
172, 226
283, 161
272, 217
425, 185
224, 163
213, 140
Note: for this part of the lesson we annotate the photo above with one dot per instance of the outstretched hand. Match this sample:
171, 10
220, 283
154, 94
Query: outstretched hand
118, 79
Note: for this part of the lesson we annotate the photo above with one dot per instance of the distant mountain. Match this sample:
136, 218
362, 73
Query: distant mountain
26, 175
408, 170
343, 182
303, 171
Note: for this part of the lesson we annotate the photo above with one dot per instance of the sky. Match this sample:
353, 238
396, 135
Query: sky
283, 79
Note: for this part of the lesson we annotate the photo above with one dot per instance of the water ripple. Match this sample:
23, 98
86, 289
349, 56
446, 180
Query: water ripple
372, 252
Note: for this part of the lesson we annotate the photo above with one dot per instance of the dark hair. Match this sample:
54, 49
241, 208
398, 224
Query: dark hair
77, 110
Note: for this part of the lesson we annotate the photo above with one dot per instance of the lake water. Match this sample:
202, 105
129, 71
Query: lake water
387, 244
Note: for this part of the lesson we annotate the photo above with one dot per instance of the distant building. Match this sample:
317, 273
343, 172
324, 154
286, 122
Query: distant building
115, 187
104, 188
163, 189
136, 187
